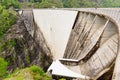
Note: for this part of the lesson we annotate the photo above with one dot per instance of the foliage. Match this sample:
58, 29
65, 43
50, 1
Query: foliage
10, 3
31, 73
110, 3
42, 4
39, 74
35, 1
47, 5
37, 69
8, 18
6, 45
3, 67
88, 3
62, 79
61, 3
57, 3
78, 3
28, 59
66, 3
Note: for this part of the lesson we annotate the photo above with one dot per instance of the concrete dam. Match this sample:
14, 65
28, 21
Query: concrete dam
83, 42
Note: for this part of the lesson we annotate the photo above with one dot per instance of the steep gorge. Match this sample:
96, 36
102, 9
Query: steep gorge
28, 49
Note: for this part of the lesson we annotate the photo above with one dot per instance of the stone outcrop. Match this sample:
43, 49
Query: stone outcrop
30, 47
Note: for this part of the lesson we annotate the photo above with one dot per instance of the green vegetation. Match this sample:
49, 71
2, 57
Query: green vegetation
110, 3
78, 3
51, 3
7, 14
5, 48
62, 79
70, 3
91, 3
60, 3
10, 3
3, 68
28, 59
7, 45
37, 69
42, 4
32, 73
8, 18
39, 74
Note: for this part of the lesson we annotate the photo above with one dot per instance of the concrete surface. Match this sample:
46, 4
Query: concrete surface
56, 26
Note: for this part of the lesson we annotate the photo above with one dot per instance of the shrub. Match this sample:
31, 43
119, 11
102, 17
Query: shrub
3, 67
7, 45
62, 79
8, 18
39, 74
37, 69
10, 3
33, 73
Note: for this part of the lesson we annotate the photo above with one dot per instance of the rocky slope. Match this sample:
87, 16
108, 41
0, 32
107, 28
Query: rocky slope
22, 49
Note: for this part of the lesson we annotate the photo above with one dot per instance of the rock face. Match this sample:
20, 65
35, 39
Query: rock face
30, 47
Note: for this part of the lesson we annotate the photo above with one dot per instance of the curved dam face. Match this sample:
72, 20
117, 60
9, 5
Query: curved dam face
83, 43
94, 43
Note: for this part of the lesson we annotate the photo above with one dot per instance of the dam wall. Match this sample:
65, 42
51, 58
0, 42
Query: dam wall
83, 41
56, 26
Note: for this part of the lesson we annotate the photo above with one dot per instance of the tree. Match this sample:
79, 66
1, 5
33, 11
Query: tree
110, 3
75, 3
9, 3
66, 3
58, 3
78, 3
51, 3
7, 19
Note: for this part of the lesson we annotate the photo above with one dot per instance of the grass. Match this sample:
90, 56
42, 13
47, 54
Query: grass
31, 73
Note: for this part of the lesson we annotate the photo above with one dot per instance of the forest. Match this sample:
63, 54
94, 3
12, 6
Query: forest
77, 3
60, 3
